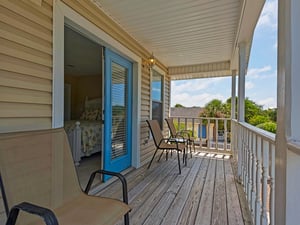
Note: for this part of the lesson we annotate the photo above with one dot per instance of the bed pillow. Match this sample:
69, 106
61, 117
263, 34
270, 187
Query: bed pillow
89, 114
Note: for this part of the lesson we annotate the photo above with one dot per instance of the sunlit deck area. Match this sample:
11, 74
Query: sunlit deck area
205, 193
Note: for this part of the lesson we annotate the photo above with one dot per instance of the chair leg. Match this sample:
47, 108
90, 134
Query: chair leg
126, 219
152, 159
160, 155
194, 146
179, 162
190, 144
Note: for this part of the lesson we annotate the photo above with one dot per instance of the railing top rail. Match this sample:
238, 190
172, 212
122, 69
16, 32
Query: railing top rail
266, 135
203, 118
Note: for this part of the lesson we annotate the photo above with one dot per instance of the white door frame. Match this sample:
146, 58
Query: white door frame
65, 15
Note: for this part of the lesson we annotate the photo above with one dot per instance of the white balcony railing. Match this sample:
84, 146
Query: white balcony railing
211, 134
254, 150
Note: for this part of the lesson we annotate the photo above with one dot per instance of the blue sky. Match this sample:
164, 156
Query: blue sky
261, 76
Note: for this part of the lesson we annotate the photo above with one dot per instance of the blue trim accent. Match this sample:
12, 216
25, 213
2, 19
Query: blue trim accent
123, 162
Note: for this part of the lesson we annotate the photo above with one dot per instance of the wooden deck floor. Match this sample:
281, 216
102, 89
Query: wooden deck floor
205, 193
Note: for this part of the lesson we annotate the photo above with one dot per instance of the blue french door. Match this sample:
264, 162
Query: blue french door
117, 112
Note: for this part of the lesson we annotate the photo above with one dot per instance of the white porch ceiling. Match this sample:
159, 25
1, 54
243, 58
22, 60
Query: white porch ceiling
188, 32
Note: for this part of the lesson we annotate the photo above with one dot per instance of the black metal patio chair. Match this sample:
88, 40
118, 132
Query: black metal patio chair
185, 134
164, 144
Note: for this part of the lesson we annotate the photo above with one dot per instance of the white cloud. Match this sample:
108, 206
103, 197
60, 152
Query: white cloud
268, 17
249, 85
256, 72
194, 85
189, 100
264, 72
267, 103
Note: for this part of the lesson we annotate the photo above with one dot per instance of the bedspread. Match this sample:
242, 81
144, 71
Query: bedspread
90, 133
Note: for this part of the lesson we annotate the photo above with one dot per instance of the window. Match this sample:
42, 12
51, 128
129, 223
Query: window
157, 97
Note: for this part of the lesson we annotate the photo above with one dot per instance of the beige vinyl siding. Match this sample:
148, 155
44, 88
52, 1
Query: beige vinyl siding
95, 15
25, 65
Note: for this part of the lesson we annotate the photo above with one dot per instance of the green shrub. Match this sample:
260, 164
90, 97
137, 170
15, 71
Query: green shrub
258, 119
268, 126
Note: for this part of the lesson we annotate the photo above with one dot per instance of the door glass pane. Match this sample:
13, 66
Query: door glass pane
119, 96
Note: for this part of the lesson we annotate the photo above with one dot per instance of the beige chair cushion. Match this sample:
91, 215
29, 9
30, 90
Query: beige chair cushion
37, 167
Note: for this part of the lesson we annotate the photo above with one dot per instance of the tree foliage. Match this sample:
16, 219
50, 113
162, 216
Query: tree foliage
179, 106
254, 113
215, 108
268, 126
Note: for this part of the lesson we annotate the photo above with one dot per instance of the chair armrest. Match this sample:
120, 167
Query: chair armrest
179, 135
120, 176
187, 132
45, 213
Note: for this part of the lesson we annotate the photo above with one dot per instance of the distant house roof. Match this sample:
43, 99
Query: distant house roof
186, 111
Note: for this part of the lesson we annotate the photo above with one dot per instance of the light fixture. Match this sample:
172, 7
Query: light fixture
151, 60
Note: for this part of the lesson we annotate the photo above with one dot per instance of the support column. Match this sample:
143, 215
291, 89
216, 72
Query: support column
233, 115
287, 154
233, 94
241, 82
241, 103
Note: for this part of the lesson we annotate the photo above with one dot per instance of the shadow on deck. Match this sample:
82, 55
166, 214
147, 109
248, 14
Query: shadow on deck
205, 193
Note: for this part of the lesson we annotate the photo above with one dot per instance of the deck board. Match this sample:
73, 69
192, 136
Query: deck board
204, 193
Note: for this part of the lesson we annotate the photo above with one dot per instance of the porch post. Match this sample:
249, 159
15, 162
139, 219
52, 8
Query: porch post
287, 166
233, 105
241, 104
241, 82
233, 94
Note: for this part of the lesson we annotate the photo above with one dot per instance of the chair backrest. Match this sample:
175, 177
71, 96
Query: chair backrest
155, 131
37, 167
171, 126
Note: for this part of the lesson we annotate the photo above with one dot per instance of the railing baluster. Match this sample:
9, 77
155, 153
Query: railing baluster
244, 158
225, 134
272, 186
216, 133
254, 167
265, 172
239, 153
193, 127
208, 134
250, 158
258, 182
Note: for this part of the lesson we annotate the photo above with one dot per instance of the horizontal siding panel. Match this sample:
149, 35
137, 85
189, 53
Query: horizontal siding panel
24, 124
144, 107
44, 9
27, 12
16, 80
8, 94
145, 82
20, 66
25, 25
19, 110
48, 2
18, 51
26, 39
145, 91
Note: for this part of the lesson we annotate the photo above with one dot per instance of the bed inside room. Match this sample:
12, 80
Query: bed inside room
83, 102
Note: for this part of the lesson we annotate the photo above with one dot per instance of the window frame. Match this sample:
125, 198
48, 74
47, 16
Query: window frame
163, 75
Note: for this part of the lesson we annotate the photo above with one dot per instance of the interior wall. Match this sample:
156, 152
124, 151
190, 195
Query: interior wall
82, 86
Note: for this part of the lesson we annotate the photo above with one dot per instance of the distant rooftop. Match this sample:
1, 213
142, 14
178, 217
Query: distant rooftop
186, 111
